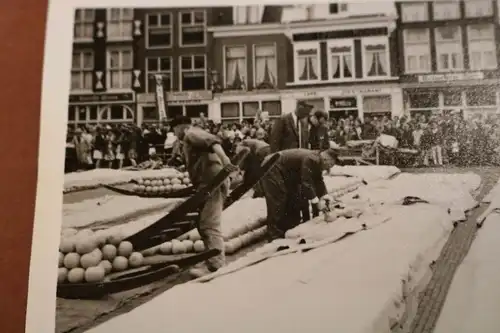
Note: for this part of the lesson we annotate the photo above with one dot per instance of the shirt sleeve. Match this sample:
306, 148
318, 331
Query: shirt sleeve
200, 139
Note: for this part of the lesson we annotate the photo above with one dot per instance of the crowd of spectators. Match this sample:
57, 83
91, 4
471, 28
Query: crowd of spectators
436, 139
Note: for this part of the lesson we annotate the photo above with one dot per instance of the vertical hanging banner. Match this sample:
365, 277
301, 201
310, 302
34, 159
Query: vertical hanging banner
160, 98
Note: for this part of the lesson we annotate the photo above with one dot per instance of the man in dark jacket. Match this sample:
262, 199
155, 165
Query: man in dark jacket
298, 174
291, 130
257, 152
318, 133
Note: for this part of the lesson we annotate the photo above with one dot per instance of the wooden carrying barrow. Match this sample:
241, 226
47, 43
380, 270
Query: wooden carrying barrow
177, 222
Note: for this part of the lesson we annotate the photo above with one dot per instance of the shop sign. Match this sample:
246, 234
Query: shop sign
101, 98
450, 77
189, 96
343, 103
350, 92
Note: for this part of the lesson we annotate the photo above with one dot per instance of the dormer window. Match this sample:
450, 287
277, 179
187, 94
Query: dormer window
337, 8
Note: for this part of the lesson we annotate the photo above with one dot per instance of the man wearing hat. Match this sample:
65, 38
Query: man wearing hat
205, 158
291, 130
297, 174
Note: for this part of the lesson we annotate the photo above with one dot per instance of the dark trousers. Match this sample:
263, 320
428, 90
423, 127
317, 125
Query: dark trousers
283, 205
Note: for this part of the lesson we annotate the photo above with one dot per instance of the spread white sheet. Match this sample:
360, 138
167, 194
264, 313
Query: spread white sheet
336, 288
111, 208
473, 301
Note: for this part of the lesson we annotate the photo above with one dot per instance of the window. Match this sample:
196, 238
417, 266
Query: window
120, 22
155, 66
250, 109
150, 113
82, 70
193, 72
230, 112
341, 64
193, 111
119, 65
449, 48
265, 66
192, 28
159, 30
307, 63
273, 107
336, 8
482, 46
424, 100
116, 113
452, 98
480, 97
247, 14
84, 114
478, 8
448, 10
417, 50
377, 104
414, 12
235, 67
376, 57
84, 24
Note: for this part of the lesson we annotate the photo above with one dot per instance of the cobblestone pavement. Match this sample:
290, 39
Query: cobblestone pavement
433, 298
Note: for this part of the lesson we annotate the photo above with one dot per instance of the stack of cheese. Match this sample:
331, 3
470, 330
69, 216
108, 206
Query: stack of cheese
86, 180
85, 256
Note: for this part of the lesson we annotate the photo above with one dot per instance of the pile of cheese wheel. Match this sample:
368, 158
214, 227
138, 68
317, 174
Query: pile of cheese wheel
88, 256
191, 242
162, 185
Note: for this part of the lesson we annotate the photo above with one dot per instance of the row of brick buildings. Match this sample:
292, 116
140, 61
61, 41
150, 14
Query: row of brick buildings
372, 58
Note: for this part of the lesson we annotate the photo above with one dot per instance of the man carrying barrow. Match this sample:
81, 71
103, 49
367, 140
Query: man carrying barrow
257, 151
297, 174
204, 159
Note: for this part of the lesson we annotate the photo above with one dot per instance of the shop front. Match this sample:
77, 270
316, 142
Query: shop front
235, 108
469, 94
101, 108
343, 102
187, 103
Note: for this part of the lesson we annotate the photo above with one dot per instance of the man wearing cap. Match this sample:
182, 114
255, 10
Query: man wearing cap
205, 158
291, 130
297, 174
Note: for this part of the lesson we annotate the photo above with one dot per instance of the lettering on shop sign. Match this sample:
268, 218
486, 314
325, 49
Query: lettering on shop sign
451, 77
183, 96
101, 98
360, 91
343, 103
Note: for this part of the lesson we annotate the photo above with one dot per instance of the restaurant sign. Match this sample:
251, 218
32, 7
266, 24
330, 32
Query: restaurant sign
102, 98
449, 77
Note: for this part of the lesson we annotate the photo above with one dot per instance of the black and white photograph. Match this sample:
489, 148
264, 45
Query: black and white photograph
316, 167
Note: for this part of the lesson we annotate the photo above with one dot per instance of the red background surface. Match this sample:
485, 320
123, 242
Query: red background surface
22, 32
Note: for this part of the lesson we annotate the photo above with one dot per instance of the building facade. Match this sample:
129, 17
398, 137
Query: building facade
250, 64
449, 56
176, 45
339, 57
343, 59
105, 71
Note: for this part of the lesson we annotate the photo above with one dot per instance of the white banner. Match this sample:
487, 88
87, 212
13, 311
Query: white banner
160, 98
